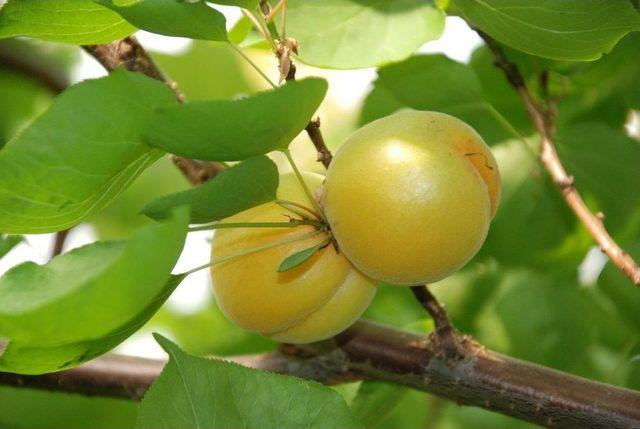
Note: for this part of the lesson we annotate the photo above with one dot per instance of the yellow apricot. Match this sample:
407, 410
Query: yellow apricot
311, 302
410, 197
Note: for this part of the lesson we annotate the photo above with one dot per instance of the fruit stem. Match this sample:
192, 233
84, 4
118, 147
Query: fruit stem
291, 224
255, 67
252, 250
313, 201
286, 203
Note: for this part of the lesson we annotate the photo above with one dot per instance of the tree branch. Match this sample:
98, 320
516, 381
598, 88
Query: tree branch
367, 351
54, 80
544, 121
288, 72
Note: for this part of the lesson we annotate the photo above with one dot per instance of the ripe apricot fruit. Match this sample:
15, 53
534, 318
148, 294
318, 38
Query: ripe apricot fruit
409, 197
311, 302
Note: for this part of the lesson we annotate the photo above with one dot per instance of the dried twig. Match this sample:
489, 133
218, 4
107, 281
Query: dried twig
543, 118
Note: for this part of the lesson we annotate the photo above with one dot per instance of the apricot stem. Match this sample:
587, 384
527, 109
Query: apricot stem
252, 64
285, 203
252, 250
313, 201
291, 224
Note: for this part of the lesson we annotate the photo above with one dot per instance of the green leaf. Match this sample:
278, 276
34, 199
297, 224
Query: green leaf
248, 184
81, 22
31, 358
80, 154
375, 401
622, 293
228, 75
211, 393
193, 19
532, 220
554, 312
602, 90
434, 82
8, 242
232, 130
574, 30
349, 34
247, 4
299, 258
85, 302
604, 163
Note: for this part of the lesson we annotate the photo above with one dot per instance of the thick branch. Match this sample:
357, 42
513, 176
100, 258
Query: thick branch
366, 351
543, 120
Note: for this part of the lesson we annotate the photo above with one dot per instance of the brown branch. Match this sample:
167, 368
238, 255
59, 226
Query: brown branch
543, 118
54, 80
449, 340
367, 351
288, 72
59, 241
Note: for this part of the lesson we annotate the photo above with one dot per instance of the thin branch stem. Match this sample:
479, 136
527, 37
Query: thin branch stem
252, 64
291, 224
59, 242
286, 203
543, 118
252, 250
446, 334
303, 184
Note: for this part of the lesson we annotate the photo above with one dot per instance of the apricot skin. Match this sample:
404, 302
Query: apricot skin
309, 303
410, 197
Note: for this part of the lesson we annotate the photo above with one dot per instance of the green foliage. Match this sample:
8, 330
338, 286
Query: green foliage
574, 30
80, 22
247, 4
85, 302
618, 289
227, 75
299, 258
248, 184
229, 394
434, 82
532, 219
604, 164
193, 19
232, 130
349, 34
61, 410
22, 99
375, 400
8, 242
556, 310
74, 159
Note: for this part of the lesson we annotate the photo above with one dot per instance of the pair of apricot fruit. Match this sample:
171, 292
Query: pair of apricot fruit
407, 200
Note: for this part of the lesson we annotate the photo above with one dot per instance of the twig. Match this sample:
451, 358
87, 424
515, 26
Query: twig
130, 54
367, 351
197, 172
58, 242
544, 121
450, 341
288, 70
54, 80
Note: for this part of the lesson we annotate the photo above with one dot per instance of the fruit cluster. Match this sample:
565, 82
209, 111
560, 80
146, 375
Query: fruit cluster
407, 200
